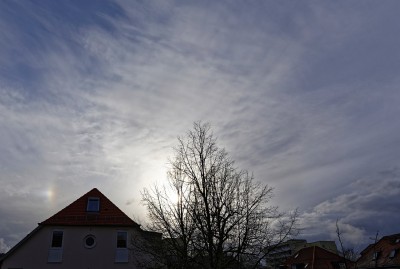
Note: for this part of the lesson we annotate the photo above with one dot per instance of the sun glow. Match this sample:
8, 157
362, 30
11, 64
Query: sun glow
48, 195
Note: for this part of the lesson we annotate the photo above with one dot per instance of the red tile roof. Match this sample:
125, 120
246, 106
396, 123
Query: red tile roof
76, 214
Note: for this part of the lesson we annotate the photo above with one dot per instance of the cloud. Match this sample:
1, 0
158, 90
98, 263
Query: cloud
367, 205
95, 97
3, 246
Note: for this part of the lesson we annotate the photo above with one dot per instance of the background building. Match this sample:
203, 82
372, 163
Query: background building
383, 254
278, 254
317, 258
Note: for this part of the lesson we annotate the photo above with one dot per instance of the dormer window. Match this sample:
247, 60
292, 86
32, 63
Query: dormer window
376, 255
93, 204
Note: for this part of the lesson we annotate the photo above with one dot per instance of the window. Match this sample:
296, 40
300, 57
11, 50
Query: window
393, 253
121, 239
93, 204
57, 239
376, 255
55, 251
122, 253
89, 241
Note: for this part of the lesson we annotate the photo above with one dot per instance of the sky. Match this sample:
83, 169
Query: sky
303, 94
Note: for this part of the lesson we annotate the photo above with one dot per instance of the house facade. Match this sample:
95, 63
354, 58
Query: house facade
91, 232
383, 254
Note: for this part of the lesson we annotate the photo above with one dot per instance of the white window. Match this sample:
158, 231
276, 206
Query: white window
393, 253
122, 252
55, 251
93, 204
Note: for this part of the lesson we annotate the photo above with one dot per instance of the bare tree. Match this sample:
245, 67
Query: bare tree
376, 253
349, 253
212, 214
339, 236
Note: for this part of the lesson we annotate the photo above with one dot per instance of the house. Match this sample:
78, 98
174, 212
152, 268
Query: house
382, 254
315, 257
278, 254
91, 232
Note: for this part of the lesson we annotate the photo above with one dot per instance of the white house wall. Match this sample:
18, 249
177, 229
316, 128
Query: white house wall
34, 252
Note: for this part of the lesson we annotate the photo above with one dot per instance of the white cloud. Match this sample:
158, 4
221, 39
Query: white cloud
3, 246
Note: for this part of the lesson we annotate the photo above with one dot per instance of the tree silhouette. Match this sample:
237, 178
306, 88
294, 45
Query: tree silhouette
211, 214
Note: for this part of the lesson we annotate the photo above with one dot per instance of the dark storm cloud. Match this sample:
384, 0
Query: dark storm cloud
367, 205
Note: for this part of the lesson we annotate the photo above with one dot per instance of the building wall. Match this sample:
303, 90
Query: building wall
34, 252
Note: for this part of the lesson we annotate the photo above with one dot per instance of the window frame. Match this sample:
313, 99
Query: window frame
121, 252
86, 238
53, 237
376, 255
91, 207
393, 253
126, 239
55, 254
